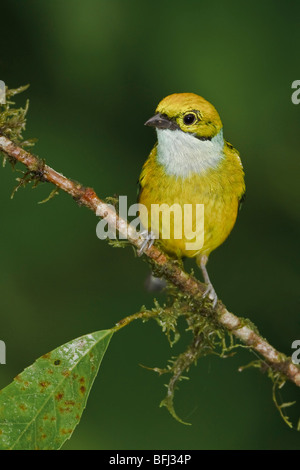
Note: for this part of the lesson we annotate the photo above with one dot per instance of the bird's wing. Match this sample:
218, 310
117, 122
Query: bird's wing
143, 176
235, 154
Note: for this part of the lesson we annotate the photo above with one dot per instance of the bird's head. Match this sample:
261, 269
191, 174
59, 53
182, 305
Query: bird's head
189, 113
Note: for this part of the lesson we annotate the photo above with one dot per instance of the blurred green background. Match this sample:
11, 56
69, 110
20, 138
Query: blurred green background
97, 70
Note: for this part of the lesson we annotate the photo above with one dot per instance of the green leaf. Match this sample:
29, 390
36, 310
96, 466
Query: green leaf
42, 406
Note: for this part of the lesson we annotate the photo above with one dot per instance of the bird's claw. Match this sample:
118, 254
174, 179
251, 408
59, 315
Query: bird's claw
149, 238
211, 293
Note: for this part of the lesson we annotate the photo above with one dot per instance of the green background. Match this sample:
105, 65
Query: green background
97, 70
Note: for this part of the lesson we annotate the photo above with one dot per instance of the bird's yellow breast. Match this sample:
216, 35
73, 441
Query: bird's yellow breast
219, 189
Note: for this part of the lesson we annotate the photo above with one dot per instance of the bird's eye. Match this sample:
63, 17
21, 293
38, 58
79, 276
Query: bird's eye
189, 119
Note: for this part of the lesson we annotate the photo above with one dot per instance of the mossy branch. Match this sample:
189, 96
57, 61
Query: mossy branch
208, 325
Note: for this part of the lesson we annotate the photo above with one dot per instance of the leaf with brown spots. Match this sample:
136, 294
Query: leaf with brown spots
42, 406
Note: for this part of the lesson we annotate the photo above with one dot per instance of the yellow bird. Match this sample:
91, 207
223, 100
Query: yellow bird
191, 164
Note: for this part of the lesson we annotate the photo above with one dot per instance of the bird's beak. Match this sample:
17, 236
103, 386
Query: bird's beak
161, 121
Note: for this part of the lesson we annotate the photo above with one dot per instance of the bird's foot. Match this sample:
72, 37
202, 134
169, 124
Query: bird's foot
211, 293
149, 239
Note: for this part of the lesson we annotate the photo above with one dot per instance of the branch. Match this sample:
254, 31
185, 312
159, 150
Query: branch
166, 267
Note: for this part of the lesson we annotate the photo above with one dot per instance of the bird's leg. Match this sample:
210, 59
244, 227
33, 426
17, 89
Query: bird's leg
147, 243
152, 283
210, 291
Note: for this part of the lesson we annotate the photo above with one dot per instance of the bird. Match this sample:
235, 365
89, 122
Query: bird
191, 164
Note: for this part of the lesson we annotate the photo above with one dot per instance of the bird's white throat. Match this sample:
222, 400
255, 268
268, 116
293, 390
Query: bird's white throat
182, 154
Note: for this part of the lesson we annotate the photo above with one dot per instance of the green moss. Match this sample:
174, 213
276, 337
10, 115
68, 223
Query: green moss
278, 379
12, 125
13, 119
